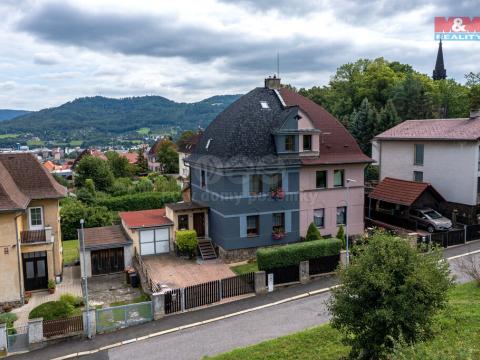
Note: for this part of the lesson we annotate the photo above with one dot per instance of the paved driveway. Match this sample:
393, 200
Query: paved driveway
174, 272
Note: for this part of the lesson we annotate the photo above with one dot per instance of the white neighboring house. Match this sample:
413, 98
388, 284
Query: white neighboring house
442, 152
185, 148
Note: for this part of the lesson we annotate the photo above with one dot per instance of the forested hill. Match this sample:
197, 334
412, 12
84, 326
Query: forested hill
7, 114
99, 117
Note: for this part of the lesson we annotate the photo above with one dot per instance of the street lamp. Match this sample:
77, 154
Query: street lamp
346, 219
84, 275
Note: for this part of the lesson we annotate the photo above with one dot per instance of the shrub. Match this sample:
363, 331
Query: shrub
8, 318
295, 253
187, 241
389, 293
74, 300
94, 168
313, 233
52, 310
144, 185
341, 236
140, 201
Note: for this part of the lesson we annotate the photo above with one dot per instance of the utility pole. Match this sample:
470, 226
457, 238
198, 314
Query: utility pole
84, 276
346, 219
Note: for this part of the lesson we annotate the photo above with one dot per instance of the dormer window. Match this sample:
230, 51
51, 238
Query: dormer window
264, 105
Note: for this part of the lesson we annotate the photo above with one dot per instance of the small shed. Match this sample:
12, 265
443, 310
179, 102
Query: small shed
107, 250
396, 197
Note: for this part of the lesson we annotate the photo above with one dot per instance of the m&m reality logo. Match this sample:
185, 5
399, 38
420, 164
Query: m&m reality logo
461, 28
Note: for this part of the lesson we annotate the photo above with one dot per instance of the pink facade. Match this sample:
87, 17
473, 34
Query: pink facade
330, 198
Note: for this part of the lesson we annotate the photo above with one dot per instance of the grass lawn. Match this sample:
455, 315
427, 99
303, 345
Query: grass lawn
245, 268
9, 136
76, 142
143, 131
141, 298
70, 251
457, 336
35, 143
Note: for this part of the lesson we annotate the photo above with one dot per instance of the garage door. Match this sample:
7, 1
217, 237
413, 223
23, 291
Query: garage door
107, 261
155, 241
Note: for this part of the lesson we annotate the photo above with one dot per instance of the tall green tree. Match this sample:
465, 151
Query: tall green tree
118, 164
390, 293
90, 167
363, 124
473, 84
411, 98
450, 99
142, 162
167, 156
387, 118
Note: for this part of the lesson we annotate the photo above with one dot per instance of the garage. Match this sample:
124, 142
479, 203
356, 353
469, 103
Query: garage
107, 250
150, 230
155, 241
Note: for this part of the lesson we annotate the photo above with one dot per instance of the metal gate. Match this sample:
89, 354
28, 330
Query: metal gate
17, 338
118, 317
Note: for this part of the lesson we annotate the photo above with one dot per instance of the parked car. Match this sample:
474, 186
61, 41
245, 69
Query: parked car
430, 219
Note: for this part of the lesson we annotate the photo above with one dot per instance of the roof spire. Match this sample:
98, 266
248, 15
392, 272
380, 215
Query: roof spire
439, 73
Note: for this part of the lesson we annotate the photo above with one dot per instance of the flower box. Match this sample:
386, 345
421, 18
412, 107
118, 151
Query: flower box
277, 194
278, 235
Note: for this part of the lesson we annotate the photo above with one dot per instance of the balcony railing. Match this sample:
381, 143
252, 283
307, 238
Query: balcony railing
36, 236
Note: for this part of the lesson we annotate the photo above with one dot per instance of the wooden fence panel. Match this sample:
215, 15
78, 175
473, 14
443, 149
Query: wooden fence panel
283, 275
238, 285
202, 294
62, 326
324, 264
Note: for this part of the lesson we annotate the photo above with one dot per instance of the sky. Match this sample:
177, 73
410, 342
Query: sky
54, 51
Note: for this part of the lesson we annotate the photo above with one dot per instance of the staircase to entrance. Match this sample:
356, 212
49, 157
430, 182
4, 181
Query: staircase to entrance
207, 251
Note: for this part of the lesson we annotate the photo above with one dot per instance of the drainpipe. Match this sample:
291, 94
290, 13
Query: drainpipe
20, 286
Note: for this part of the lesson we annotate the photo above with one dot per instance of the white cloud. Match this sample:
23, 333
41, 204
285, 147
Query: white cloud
189, 50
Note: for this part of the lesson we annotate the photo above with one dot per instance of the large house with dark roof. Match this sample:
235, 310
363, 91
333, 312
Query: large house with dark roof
442, 152
272, 163
30, 237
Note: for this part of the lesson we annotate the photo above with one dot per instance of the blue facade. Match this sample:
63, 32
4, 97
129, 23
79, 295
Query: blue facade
228, 194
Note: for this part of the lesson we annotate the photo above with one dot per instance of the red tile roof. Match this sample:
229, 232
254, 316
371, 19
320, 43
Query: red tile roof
337, 146
22, 179
130, 156
145, 218
434, 129
105, 237
401, 192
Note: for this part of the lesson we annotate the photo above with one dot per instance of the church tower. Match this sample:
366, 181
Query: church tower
439, 73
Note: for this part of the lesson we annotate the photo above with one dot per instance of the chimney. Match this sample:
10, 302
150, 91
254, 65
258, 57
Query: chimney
272, 83
474, 114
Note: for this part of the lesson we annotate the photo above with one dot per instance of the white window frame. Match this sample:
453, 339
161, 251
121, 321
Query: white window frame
35, 227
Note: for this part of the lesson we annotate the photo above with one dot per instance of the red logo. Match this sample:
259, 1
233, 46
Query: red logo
459, 24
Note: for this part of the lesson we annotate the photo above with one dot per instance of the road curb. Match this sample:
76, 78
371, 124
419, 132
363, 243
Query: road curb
200, 323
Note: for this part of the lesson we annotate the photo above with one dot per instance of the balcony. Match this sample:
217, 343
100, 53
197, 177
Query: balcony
43, 236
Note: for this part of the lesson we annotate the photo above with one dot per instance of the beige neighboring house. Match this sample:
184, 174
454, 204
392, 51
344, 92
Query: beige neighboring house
30, 238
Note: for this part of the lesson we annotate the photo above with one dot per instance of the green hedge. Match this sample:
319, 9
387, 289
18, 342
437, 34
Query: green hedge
187, 241
140, 201
295, 253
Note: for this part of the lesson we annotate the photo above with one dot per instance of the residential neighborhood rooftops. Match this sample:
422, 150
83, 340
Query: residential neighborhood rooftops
434, 129
188, 146
22, 179
401, 192
181, 206
105, 236
145, 218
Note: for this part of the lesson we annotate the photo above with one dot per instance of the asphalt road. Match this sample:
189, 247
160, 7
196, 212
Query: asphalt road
224, 335
251, 328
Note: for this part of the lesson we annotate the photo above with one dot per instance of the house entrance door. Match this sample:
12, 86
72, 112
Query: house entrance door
199, 223
35, 270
